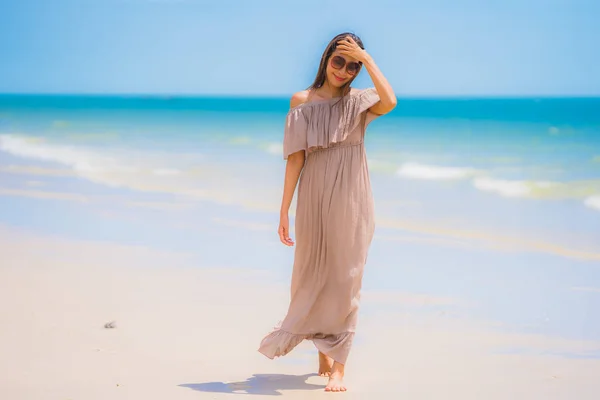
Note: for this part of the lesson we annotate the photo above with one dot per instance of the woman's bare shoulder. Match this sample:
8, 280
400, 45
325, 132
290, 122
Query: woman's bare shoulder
299, 98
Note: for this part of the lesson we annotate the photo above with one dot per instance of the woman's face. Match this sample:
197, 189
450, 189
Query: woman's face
341, 69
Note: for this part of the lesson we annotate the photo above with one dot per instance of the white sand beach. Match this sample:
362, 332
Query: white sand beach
185, 331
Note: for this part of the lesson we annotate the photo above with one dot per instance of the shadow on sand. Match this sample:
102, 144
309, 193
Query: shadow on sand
262, 384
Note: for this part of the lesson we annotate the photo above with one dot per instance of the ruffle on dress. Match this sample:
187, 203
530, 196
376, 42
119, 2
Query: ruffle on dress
279, 343
313, 125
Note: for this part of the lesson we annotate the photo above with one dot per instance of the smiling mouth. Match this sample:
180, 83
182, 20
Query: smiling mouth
338, 78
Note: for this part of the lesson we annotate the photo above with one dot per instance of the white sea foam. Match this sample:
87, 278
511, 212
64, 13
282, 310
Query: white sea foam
115, 168
38, 149
504, 188
190, 175
84, 162
413, 170
541, 189
275, 148
143, 170
593, 202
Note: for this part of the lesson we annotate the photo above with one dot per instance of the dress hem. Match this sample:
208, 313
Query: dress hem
279, 343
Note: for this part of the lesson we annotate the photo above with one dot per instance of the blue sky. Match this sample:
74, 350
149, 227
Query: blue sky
272, 47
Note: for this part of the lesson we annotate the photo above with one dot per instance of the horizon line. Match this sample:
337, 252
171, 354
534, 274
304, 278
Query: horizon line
158, 95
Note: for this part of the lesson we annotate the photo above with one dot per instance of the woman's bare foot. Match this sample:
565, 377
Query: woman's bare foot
325, 364
336, 377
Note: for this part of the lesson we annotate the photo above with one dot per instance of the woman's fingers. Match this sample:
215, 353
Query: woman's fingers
345, 48
284, 236
347, 40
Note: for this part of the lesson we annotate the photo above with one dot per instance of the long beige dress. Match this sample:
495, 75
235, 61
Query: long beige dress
334, 224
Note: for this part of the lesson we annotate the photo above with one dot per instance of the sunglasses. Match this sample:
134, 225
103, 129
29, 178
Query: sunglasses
339, 62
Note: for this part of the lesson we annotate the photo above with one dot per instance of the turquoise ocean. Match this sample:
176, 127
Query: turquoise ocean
492, 204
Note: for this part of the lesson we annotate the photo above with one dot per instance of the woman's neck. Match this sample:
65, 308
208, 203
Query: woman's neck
327, 91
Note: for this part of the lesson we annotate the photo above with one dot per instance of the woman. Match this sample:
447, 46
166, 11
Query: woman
323, 139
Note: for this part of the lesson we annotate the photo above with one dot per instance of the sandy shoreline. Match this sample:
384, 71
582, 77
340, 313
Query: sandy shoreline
185, 332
